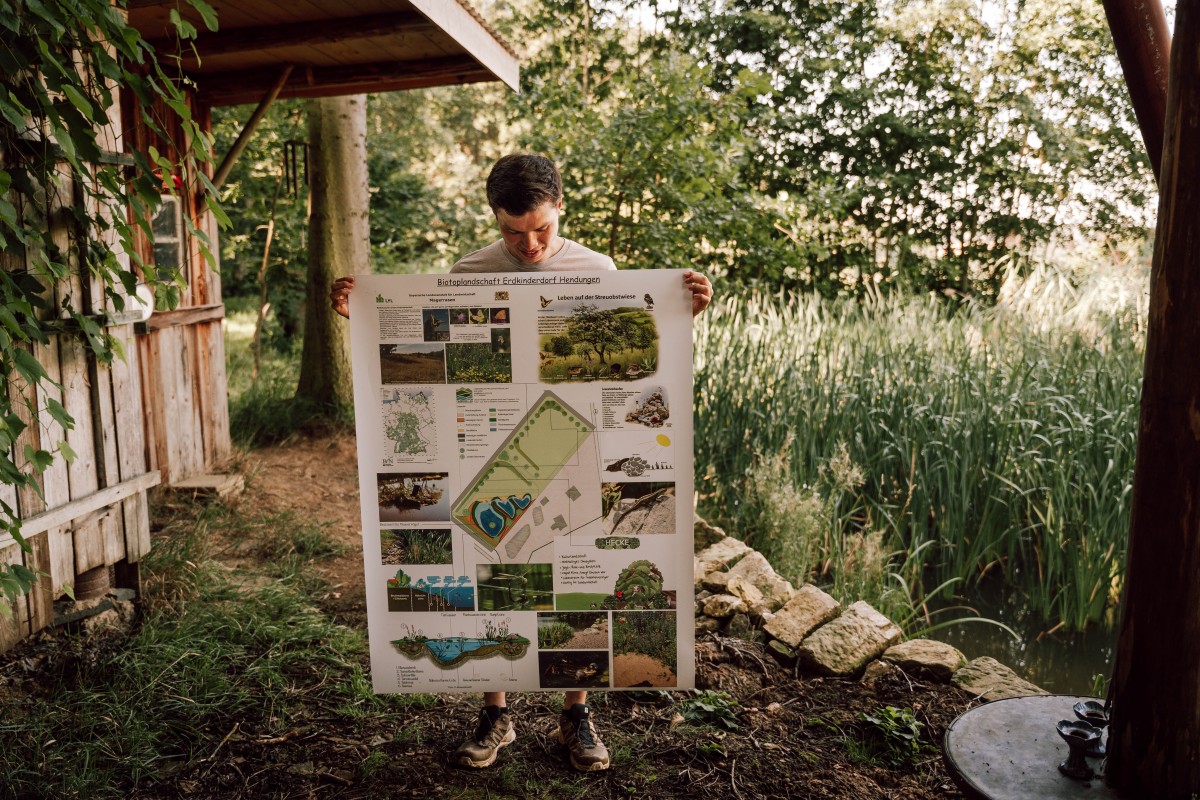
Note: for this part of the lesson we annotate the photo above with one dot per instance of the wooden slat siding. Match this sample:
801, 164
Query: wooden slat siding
60, 540
112, 527
171, 404
14, 627
82, 474
44, 592
130, 440
213, 397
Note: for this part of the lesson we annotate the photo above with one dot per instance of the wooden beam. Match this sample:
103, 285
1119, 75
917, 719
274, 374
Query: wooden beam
1139, 30
181, 316
248, 129
301, 34
83, 506
237, 87
462, 24
1154, 739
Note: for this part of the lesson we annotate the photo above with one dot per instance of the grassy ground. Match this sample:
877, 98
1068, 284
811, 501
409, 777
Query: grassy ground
238, 683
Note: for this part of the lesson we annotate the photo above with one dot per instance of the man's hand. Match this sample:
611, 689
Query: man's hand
701, 289
339, 295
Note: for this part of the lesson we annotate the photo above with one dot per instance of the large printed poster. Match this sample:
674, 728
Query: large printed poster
525, 469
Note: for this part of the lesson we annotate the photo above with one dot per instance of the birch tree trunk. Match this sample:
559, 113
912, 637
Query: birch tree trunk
1154, 750
338, 242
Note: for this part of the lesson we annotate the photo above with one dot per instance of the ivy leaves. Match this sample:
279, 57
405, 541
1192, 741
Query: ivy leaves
63, 63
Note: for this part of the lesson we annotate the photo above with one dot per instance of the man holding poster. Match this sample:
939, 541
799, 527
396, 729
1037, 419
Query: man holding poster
525, 194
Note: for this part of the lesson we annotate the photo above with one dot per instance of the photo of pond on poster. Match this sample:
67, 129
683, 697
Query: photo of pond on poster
413, 497
515, 587
573, 669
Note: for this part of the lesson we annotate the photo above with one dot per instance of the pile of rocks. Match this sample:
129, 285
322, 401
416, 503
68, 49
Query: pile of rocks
739, 594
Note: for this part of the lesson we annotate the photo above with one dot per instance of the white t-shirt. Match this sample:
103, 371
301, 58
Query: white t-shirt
571, 257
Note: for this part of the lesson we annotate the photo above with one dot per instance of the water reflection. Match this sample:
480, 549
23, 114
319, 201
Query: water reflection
1059, 662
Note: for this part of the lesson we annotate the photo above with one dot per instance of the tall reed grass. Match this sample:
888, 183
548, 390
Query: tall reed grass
991, 441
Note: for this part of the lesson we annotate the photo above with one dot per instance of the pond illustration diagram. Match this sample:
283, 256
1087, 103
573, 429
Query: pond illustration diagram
450, 651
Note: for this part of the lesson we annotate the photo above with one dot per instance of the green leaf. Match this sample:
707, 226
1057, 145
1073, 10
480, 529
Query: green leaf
206, 12
28, 366
38, 459
183, 28
79, 101
60, 414
217, 211
67, 452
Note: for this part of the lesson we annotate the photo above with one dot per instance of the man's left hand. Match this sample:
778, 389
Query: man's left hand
701, 289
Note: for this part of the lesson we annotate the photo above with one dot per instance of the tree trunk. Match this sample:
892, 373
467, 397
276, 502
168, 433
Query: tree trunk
338, 242
1154, 749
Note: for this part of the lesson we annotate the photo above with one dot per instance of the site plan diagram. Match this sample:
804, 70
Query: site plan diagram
525, 472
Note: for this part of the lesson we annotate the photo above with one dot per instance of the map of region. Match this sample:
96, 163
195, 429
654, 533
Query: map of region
408, 422
543, 451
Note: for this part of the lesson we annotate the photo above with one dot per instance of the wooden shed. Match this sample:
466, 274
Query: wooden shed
161, 415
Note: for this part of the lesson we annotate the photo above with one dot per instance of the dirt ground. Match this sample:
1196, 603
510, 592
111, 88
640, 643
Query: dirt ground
801, 724
780, 737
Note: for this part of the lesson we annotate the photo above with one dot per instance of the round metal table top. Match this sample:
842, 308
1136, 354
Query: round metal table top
1010, 750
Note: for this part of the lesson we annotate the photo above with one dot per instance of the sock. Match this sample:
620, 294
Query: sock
494, 712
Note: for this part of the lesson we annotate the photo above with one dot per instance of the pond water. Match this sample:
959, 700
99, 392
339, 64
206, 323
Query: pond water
1059, 662
451, 648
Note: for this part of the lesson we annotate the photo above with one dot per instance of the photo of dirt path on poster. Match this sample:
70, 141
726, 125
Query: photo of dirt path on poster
525, 474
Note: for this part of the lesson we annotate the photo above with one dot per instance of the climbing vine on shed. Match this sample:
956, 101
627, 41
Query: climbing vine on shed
62, 63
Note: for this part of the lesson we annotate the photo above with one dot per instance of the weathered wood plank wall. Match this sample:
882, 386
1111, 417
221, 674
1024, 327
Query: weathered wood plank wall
93, 512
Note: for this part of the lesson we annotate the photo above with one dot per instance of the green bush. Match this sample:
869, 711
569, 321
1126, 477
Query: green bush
554, 635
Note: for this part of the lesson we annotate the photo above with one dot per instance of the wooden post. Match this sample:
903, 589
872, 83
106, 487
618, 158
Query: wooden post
1154, 750
1139, 30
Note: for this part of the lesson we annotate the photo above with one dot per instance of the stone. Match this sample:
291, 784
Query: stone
707, 624
720, 555
715, 581
740, 627
705, 535
987, 678
926, 658
740, 586
843, 646
877, 670
755, 568
783, 654
808, 609
723, 606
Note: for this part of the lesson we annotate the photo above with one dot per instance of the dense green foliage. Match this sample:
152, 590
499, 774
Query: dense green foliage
813, 144
850, 441
62, 62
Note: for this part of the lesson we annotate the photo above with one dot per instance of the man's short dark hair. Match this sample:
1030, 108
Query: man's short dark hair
521, 182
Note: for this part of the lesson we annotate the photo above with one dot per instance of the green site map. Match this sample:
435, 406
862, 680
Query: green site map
537, 451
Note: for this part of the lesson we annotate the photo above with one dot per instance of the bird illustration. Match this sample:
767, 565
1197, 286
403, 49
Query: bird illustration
649, 301
546, 302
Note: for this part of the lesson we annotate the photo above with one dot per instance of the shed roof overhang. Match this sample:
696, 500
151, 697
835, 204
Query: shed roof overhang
335, 47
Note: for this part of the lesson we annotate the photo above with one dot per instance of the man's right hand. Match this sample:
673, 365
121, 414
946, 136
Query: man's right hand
339, 295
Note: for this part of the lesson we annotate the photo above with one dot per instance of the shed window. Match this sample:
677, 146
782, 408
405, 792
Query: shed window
168, 234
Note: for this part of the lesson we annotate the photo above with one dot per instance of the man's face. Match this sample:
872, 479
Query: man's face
531, 237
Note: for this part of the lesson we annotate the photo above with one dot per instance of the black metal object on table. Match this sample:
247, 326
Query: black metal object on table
1011, 749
